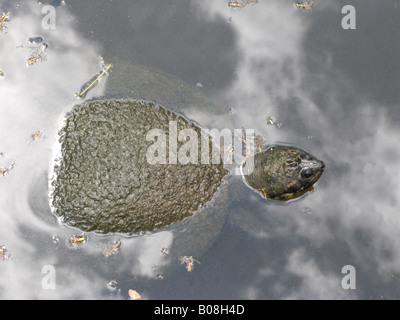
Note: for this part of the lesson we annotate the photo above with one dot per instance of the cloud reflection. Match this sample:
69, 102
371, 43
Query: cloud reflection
36, 98
354, 212
353, 215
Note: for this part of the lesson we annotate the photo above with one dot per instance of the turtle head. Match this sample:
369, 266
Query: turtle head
284, 172
301, 171
310, 169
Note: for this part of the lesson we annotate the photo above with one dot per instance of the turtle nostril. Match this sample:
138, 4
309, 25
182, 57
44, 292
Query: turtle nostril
322, 165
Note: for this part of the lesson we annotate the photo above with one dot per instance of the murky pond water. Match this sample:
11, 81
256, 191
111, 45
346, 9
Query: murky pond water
293, 75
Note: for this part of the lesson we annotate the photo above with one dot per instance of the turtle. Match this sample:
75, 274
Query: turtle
106, 183
102, 180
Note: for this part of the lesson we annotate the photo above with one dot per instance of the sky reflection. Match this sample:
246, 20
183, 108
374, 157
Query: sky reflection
334, 92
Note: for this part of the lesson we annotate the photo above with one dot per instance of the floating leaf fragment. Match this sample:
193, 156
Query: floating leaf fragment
189, 262
165, 251
114, 249
91, 83
305, 4
134, 295
76, 241
5, 171
235, 4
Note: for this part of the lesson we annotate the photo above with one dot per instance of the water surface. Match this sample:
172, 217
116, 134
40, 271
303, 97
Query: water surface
334, 91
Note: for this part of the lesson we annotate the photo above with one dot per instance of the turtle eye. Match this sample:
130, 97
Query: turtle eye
307, 174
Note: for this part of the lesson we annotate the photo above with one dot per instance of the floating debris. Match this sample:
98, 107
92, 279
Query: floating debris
76, 241
34, 42
307, 211
305, 4
240, 5
228, 154
189, 262
199, 85
112, 284
38, 48
37, 135
55, 239
3, 21
230, 111
165, 251
248, 145
5, 171
248, 149
1, 73
4, 254
32, 60
159, 276
2, 251
259, 139
272, 122
114, 249
263, 191
90, 84
134, 295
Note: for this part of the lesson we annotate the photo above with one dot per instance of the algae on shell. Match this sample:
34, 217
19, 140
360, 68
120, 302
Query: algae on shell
103, 181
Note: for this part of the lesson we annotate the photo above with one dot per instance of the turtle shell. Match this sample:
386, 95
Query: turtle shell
103, 179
